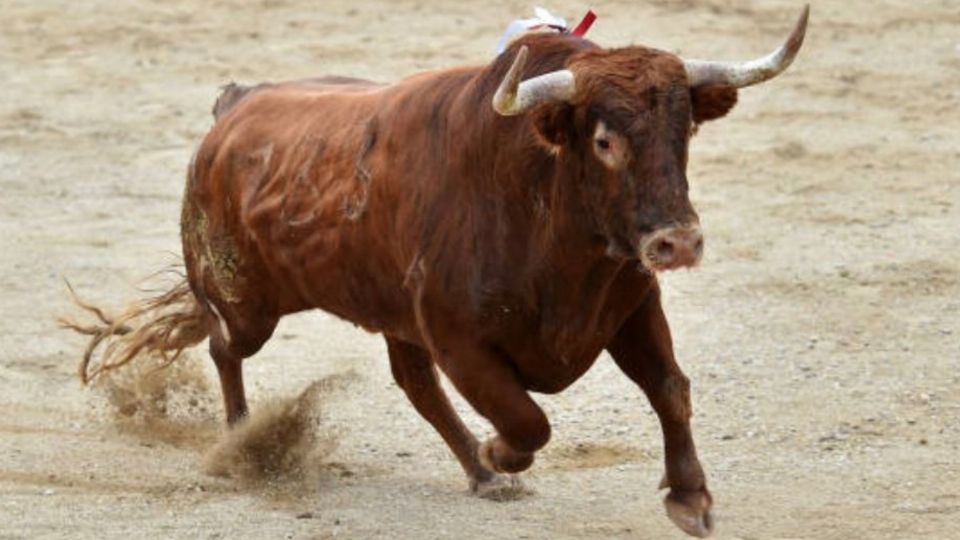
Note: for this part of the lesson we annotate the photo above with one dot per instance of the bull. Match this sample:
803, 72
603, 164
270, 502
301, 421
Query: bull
504, 223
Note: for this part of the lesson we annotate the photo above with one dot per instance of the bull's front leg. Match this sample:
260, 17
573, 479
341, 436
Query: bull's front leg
489, 382
644, 351
491, 387
416, 375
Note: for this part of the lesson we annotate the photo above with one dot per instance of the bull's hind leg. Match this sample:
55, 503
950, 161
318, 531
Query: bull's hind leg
415, 373
230, 370
230, 343
644, 351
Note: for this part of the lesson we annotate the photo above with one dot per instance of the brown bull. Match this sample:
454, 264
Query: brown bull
503, 223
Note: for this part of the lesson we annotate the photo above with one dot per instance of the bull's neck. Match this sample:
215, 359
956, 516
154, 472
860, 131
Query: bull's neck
538, 237
505, 209
529, 193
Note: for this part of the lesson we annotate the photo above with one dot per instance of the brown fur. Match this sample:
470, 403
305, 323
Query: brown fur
712, 101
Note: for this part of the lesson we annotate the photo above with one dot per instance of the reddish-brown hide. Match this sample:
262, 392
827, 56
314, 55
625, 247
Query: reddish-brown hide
498, 249
507, 251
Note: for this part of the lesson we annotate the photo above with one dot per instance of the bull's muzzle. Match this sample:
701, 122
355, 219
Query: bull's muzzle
672, 247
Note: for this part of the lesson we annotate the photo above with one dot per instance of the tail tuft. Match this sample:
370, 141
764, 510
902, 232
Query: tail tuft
164, 324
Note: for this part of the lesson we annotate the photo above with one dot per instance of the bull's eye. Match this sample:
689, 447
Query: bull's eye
609, 147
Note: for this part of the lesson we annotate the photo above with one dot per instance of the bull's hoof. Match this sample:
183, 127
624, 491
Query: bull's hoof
500, 488
690, 510
497, 456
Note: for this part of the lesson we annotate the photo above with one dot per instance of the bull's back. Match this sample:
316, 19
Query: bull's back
232, 93
281, 177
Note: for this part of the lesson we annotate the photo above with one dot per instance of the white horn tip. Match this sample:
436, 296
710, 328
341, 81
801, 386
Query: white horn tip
513, 97
742, 74
799, 31
505, 98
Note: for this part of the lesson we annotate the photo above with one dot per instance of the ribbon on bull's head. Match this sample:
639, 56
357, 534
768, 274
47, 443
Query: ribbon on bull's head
543, 20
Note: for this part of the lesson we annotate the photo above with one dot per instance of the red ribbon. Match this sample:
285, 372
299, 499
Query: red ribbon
585, 24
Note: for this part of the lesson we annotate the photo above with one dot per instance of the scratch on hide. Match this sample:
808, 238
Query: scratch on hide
354, 209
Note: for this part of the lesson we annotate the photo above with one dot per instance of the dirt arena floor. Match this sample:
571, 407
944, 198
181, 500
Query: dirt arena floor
821, 332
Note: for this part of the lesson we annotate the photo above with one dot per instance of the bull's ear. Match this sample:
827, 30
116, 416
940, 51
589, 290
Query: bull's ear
554, 124
712, 101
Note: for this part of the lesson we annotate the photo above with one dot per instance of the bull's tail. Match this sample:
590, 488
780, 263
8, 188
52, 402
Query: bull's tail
163, 325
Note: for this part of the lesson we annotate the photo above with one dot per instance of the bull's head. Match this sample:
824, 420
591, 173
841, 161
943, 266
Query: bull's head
624, 117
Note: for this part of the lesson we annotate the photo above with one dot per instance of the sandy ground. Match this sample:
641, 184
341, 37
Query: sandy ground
821, 333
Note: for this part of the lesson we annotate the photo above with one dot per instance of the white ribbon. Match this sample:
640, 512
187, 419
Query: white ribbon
541, 17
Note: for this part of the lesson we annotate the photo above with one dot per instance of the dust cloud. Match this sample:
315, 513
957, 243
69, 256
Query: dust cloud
283, 443
171, 404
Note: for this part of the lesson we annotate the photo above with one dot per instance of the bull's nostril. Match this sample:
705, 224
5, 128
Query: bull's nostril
664, 250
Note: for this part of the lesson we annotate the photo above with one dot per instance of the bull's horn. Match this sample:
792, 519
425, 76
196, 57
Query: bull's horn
741, 74
513, 97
